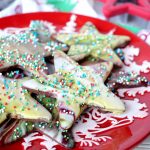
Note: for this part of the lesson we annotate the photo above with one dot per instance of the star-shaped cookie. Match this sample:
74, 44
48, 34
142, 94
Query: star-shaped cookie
51, 129
22, 127
73, 86
89, 43
17, 50
18, 103
121, 79
17, 129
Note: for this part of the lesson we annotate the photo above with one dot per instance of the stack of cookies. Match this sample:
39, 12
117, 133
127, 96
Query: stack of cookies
47, 80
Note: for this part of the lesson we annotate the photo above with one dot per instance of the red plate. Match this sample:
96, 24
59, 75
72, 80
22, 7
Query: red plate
118, 132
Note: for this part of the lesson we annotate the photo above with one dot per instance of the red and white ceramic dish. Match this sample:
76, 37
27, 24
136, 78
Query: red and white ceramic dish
95, 131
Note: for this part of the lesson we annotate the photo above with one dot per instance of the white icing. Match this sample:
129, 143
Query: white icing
68, 119
62, 61
35, 85
51, 132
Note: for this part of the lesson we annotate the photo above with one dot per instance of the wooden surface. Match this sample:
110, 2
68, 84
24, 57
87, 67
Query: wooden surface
144, 145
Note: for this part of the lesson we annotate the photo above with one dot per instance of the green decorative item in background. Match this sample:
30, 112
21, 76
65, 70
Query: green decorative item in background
63, 5
68, 5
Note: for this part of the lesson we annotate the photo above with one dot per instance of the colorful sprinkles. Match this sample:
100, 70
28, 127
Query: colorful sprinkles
94, 45
125, 79
61, 97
